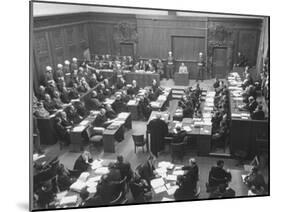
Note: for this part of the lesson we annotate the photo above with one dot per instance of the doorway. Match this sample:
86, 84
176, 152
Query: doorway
220, 68
127, 49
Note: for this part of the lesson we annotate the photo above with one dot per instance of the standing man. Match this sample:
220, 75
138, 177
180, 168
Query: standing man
170, 66
200, 66
158, 130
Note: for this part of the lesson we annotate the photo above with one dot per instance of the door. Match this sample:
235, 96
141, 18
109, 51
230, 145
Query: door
127, 49
220, 62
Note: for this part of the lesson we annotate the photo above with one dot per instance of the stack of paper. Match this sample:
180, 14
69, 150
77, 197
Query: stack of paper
78, 128
165, 199
95, 179
172, 190
84, 176
69, 200
91, 183
154, 104
78, 186
102, 170
187, 129
84, 122
161, 170
178, 172
37, 156
92, 190
171, 177
166, 165
96, 164
162, 98
160, 189
132, 102
155, 183
61, 195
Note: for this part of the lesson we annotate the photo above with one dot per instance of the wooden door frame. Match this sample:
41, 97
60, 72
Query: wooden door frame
130, 43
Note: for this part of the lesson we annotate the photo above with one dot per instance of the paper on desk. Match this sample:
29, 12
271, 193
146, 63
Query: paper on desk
171, 177
96, 178
248, 168
179, 167
92, 190
155, 183
102, 170
161, 170
165, 199
123, 115
131, 102
37, 157
84, 176
85, 122
61, 195
165, 164
69, 200
96, 164
91, 183
243, 177
160, 189
78, 186
178, 172
172, 190
187, 128
78, 128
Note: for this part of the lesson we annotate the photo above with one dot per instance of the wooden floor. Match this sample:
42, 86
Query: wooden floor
126, 148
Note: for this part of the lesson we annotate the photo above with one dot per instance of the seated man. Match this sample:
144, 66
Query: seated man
82, 163
180, 135
187, 111
40, 111
193, 170
64, 96
62, 132
57, 101
255, 181
114, 174
140, 189
93, 103
258, 113
150, 66
218, 175
93, 80
110, 113
220, 135
49, 104
155, 88
134, 90
147, 170
183, 68
101, 119
73, 93
72, 115
119, 105
58, 74
64, 120
223, 191
64, 179
41, 93
186, 189
120, 83
124, 168
252, 105
216, 83
144, 108
160, 68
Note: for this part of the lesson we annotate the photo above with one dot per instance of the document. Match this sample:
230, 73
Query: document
165, 164
85, 122
160, 189
178, 172
102, 170
165, 199
92, 190
69, 200
172, 190
95, 179
96, 164
84, 176
187, 128
155, 183
78, 128
61, 195
171, 177
161, 170
78, 186
91, 183
243, 177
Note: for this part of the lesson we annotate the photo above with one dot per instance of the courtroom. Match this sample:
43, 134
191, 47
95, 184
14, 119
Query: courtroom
135, 106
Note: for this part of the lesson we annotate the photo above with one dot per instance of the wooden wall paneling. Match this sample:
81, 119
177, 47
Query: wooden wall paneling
100, 39
58, 46
42, 51
83, 40
71, 41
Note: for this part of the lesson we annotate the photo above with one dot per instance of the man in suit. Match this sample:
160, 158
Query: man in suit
186, 190
64, 96
74, 65
252, 105
258, 113
101, 119
144, 108
223, 191
110, 113
93, 103
82, 163
124, 168
62, 132
183, 68
49, 104
106, 190
200, 66
119, 105
133, 91
158, 130
180, 135
170, 66
114, 174
59, 72
193, 170
147, 170
48, 76
218, 175
73, 93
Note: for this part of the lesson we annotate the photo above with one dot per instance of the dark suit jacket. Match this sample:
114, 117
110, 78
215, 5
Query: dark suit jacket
99, 120
252, 106
119, 106
125, 170
81, 165
110, 114
114, 175
258, 115
218, 175
179, 137
146, 171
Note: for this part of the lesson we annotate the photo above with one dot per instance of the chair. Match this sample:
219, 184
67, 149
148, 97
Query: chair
95, 137
177, 151
117, 200
139, 141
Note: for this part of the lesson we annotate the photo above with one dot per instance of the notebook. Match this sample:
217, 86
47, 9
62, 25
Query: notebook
69, 200
155, 183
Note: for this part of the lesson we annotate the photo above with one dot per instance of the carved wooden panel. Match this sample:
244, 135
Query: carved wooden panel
247, 45
57, 37
59, 56
70, 35
41, 44
81, 32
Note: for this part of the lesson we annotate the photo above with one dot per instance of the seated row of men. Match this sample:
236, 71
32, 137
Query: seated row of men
108, 187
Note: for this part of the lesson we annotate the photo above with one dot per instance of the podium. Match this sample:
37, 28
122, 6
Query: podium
182, 79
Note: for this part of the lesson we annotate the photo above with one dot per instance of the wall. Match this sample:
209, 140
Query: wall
61, 37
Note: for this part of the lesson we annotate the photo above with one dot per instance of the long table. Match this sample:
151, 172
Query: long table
193, 127
143, 79
243, 130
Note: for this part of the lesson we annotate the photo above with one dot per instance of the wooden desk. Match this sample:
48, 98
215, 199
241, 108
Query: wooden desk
162, 101
182, 79
116, 134
47, 130
143, 79
132, 106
